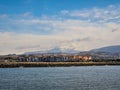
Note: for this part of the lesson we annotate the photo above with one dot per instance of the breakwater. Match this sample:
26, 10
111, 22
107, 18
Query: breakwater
53, 64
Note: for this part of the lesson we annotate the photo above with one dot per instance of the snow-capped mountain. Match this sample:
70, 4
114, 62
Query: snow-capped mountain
55, 50
109, 49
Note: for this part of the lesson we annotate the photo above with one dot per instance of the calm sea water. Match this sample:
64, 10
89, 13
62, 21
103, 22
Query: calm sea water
61, 78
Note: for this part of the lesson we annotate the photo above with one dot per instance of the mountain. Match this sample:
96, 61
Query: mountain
55, 50
100, 51
106, 53
62, 50
109, 49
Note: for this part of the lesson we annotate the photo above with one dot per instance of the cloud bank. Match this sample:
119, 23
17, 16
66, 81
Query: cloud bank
78, 29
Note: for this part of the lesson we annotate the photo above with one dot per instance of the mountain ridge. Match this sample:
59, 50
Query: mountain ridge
107, 49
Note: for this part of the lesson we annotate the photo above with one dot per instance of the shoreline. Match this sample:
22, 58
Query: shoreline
53, 64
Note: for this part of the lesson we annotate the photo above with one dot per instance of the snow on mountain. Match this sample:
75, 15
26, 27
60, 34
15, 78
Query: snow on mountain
108, 49
55, 50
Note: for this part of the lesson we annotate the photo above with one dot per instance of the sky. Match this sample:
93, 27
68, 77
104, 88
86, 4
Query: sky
37, 25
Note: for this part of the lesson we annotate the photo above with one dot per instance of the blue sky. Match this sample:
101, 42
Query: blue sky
30, 25
49, 7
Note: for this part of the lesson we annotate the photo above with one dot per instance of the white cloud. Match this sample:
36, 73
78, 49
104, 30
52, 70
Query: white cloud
26, 14
64, 12
109, 13
80, 14
19, 43
83, 36
40, 33
3, 16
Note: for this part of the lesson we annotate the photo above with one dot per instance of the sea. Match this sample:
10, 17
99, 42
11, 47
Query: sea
61, 78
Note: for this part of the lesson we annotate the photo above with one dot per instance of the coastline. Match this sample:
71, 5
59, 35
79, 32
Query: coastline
53, 64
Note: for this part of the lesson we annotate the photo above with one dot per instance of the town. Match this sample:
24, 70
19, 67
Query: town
45, 58
54, 58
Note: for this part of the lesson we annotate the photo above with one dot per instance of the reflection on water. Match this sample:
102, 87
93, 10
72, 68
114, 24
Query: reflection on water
61, 78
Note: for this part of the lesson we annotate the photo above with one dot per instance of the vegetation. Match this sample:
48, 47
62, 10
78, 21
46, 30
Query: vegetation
51, 64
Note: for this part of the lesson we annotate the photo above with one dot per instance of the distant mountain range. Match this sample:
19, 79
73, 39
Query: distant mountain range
110, 52
55, 50
108, 49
